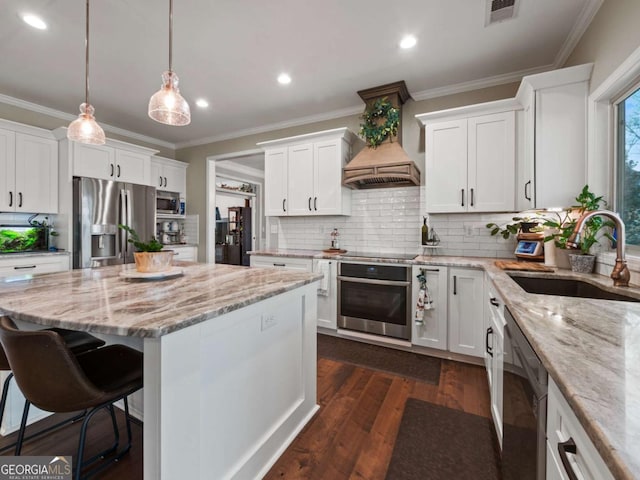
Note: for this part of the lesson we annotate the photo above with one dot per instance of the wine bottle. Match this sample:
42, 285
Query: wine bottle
425, 231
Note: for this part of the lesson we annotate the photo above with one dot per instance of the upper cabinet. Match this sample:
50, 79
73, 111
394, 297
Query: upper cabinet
303, 174
29, 170
169, 175
114, 161
470, 158
552, 165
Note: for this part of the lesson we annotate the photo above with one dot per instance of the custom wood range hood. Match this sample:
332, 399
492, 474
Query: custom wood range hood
388, 165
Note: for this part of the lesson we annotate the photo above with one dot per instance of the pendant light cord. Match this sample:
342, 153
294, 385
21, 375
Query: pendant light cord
170, 35
86, 58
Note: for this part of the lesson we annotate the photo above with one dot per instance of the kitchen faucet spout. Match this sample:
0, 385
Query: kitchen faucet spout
620, 273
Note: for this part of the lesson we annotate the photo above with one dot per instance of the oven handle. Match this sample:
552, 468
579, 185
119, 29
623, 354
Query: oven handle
372, 281
568, 447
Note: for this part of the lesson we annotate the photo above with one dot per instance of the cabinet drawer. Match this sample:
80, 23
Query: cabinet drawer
304, 264
33, 265
563, 425
185, 254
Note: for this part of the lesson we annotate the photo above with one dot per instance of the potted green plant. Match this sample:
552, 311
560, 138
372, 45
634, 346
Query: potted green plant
149, 257
524, 224
561, 228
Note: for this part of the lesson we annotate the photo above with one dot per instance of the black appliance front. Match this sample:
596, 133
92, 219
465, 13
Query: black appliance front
375, 299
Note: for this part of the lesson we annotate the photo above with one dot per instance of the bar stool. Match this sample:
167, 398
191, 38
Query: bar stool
78, 342
54, 379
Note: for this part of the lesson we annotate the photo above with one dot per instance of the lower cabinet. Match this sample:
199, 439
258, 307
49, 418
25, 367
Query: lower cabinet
185, 253
327, 293
466, 307
33, 265
290, 263
494, 352
570, 453
432, 332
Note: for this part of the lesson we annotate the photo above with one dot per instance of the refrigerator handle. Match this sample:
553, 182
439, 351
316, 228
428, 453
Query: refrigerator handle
129, 217
122, 218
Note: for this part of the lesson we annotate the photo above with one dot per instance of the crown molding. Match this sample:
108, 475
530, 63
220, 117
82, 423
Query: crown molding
274, 126
34, 107
584, 20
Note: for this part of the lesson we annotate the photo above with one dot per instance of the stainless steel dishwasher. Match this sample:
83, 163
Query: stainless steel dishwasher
524, 408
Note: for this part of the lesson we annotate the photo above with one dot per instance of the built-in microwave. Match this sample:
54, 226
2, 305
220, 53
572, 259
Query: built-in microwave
167, 203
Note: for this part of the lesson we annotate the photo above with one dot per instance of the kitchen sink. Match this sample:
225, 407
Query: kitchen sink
565, 287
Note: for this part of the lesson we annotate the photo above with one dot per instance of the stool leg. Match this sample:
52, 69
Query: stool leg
128, 422
5, 392
23, 426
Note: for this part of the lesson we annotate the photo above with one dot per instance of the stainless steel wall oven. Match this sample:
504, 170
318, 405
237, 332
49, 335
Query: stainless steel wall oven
375, 298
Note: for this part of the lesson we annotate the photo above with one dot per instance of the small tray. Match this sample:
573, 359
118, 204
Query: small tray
136, 275
335, 251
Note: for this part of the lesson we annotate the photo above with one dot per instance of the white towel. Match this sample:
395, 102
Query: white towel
324, 267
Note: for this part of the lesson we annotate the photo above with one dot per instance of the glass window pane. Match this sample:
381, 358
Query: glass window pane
629, 167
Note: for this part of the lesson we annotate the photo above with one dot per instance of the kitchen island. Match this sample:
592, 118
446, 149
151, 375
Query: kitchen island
229, 356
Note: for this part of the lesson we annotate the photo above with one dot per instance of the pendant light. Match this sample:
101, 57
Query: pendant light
85, 129
167, 105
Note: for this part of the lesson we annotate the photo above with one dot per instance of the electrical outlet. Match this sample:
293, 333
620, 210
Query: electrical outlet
274, 228
468, 231
268, 320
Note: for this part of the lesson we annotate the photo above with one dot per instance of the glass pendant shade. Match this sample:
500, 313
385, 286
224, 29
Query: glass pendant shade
167, 105
85, 129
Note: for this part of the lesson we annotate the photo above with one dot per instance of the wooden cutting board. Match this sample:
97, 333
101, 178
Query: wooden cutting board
523, 266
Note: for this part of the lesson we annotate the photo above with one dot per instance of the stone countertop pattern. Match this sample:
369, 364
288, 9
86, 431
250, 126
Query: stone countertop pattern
591, 349
99, 300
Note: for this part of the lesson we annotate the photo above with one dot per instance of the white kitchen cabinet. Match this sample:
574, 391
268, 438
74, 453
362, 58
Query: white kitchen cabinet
29, 167
565, 433
328, 299
169, 175
494, 351
303, 174
433, 332
116, 161
466, 306
470, 157
289, 263
552, 165
186, 253
19, 265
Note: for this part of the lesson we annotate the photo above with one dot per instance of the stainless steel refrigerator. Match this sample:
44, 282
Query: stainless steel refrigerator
98, 207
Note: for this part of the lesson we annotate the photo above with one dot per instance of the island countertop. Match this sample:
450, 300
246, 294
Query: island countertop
101, 301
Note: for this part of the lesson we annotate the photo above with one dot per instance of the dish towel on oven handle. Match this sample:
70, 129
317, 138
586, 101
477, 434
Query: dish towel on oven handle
324, 267
424, 302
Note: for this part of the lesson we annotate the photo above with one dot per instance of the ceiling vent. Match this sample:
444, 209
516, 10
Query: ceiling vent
500, 10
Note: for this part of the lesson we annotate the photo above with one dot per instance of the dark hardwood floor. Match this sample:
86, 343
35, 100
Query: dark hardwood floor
351, 437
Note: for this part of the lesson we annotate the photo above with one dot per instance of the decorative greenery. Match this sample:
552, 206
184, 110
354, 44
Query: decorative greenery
151, 246
530, 223
381, 121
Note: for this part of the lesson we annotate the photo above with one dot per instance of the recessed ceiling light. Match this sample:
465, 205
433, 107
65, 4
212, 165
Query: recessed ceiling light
284, 79
408, 41
34, 21
202, 103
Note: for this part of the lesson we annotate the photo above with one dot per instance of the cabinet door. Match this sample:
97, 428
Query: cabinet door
446, 166
7, 171
327, 177
525, 187
156, 175
433, 332
497, 368
175, 179
466, 323
328, 300
36, 174
94, 161
275, 182
491, 162
186, 254
133, 167
300, 173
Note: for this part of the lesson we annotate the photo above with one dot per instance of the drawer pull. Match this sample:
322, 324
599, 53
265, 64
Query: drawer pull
24, 267
564, 448
279, 264
494, 302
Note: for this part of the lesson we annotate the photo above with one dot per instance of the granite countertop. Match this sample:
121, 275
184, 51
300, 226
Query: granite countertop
101, 301
591, 349
31, 254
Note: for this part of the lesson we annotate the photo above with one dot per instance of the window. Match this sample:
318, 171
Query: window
628, 184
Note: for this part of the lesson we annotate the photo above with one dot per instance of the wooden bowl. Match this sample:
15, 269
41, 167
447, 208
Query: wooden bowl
149, 262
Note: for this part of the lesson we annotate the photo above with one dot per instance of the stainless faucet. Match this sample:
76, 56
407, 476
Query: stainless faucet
620, 273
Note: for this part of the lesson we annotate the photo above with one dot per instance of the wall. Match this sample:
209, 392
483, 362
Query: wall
611, 37
389, 220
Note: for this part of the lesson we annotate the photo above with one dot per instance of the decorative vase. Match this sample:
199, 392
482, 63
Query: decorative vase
582, 263
152, 262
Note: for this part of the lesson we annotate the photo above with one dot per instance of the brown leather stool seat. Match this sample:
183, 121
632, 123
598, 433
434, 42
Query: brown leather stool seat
78, 342
54, 379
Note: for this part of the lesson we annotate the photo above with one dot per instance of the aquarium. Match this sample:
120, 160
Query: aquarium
23, 238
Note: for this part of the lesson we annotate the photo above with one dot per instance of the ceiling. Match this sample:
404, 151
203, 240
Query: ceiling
230, 53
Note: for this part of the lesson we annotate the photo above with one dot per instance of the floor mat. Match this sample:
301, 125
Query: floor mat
439, 443
398, 362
